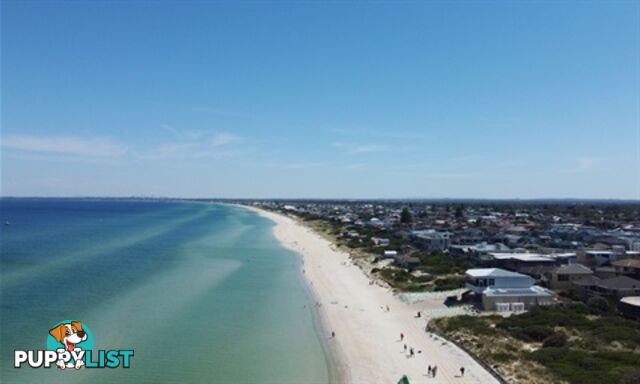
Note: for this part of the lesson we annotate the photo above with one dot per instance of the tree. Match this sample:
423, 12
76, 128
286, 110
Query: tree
405, 216
599, 304
557, 340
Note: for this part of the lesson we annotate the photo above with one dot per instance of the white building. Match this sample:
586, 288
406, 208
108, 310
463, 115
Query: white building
390, 254
480, 279
600, 257
432, 240
505, 290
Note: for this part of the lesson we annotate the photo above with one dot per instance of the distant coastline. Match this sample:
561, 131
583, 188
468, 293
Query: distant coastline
434, 200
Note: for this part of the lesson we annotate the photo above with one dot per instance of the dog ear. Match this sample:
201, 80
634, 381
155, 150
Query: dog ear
77, 325
58, 332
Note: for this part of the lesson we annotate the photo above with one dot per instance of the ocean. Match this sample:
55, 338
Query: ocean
202, 293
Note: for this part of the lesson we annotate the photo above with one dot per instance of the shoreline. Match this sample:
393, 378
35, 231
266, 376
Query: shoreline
336, 371
367, 346
335, 359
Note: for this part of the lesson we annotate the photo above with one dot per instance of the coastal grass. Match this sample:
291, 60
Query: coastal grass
437, 271
569, 343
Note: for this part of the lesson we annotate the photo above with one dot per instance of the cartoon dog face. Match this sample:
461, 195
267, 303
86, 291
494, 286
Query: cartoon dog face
69, 334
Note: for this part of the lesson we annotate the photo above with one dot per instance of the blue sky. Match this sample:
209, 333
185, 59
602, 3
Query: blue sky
302, 99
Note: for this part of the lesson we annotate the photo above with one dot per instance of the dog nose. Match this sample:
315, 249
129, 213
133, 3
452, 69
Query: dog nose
81, 333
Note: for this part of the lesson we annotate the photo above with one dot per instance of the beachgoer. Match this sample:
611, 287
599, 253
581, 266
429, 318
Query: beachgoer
434, 371
429, 370
333, 334
411, 352
405, 348
401, 336
462, 371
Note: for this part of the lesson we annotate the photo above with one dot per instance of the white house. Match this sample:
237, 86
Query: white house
432, 240
505, 290
479, 279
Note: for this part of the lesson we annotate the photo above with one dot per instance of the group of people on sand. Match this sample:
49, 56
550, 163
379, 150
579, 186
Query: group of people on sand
411, 351
431, 371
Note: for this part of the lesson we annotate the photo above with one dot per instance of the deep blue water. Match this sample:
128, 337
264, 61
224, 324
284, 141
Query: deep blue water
201, 292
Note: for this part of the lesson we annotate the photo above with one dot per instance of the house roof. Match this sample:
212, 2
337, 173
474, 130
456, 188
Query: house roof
588, 281
536, 269
574, 269
492, 272
409, 259
562, 255
627, 263
525, 257
531, 291
620, 282
631, 300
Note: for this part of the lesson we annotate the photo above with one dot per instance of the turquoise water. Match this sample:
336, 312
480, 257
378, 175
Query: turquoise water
202, 293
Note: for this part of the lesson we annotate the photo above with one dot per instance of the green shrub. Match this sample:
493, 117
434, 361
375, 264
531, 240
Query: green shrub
557, 340
630, 376
599, 305
582, 367
448, 283
502, 357
441, 264
475, 325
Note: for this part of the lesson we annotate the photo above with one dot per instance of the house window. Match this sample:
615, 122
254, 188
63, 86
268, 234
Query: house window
563, 278
492, 282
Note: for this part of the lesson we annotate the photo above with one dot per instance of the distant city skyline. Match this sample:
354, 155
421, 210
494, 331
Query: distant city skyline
487, 100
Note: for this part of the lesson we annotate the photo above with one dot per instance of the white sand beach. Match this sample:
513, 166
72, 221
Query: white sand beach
367, 346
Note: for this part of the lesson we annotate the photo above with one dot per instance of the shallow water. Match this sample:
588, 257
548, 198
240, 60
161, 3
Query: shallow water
201, 292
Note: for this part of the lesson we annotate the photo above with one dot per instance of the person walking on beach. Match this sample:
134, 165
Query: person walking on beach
429, 370
333, 335
405, 348
401, 336
461, 371
434, 371
411, 352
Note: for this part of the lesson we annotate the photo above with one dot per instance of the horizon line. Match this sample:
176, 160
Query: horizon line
142, 197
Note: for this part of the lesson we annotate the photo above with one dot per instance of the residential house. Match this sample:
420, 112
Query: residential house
564, 276
432, 240
627, 267
617, 287
480, 253
523, 262
502, 290
599, 257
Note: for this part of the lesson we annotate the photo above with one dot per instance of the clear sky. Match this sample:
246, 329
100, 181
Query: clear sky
301, 99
